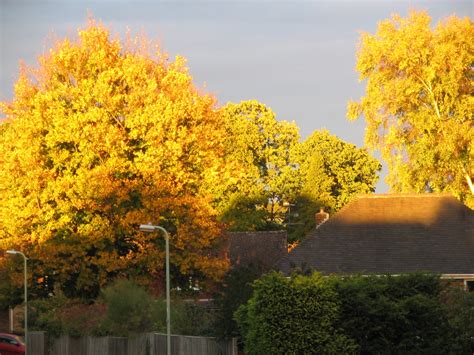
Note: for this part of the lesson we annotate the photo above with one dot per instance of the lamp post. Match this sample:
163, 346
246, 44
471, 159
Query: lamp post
15, 252
288, 204
149, 228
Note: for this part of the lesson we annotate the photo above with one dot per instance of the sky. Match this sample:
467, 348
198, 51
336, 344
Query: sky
297, 57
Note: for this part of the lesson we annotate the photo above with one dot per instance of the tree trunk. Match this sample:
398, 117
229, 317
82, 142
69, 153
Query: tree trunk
469, 182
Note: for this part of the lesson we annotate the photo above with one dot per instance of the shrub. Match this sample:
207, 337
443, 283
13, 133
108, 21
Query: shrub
459, 306
292, 316
130, 308
393, 314
43, 314
235, 290
190, 318
124, 309
59, 315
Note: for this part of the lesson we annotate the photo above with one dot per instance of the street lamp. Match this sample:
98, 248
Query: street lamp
15, 252
289, 205
149, 228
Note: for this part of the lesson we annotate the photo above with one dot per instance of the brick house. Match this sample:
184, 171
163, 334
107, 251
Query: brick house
392, 234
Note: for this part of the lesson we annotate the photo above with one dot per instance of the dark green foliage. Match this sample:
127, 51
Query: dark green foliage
292, 316
393, 314
405, 314
460, 310
44, 314
190, 318
125, 309
301, 217
244, 213
130, 308
235, 290
59, 315
10, 294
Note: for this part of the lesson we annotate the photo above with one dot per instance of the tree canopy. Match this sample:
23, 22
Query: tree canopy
331, 173
100, 137
419, 102
260, 149
104, 134
334, 170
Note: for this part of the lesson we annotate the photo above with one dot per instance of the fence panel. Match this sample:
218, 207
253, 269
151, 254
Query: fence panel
97, 345
78, 346
60, 346
36, 343
117, 346
145, 344
191, 345
160, 344
141, 344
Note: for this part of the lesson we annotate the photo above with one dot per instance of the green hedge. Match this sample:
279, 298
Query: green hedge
394, 314
406, 314
292, 316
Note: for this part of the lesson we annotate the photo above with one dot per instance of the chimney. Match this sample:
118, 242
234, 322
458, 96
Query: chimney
321, 217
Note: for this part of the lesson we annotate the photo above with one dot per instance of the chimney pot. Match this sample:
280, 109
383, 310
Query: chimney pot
321, 217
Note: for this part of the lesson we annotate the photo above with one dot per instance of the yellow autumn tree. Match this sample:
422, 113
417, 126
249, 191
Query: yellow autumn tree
419, 104
101, 136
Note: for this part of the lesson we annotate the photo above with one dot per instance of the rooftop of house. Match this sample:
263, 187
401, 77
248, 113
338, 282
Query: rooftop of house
264, 249
391, 234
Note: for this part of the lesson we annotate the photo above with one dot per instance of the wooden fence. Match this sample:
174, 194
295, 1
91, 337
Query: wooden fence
145, 344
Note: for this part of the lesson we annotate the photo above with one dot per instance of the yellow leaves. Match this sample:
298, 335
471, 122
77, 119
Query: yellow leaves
417, 99
106, 137
354, 110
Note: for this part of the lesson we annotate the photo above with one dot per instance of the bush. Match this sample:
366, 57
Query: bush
412, 313
130, 309
43, 314
393, 314
59, 315
459, 306
235, 290
189, 318
292, 316
125, 309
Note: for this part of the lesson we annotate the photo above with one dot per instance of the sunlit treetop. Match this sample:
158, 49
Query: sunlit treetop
103, 135
419, 103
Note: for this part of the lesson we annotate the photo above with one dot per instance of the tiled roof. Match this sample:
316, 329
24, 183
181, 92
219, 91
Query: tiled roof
392, 234
264, 249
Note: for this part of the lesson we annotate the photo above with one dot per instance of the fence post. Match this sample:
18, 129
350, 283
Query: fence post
235, 349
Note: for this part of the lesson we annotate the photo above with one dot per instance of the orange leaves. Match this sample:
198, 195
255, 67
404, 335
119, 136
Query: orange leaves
102, 138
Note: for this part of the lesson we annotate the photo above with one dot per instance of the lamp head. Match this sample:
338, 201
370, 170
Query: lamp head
147, 228
12, 252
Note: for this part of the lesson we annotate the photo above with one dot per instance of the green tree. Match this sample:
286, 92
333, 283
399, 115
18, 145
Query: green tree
259, 149
332, 173
419, 102
101, 136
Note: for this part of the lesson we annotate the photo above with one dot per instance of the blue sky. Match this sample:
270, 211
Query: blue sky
297, 57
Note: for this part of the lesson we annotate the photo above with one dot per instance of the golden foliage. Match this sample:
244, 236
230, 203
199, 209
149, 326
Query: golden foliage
419, 102
100, 137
